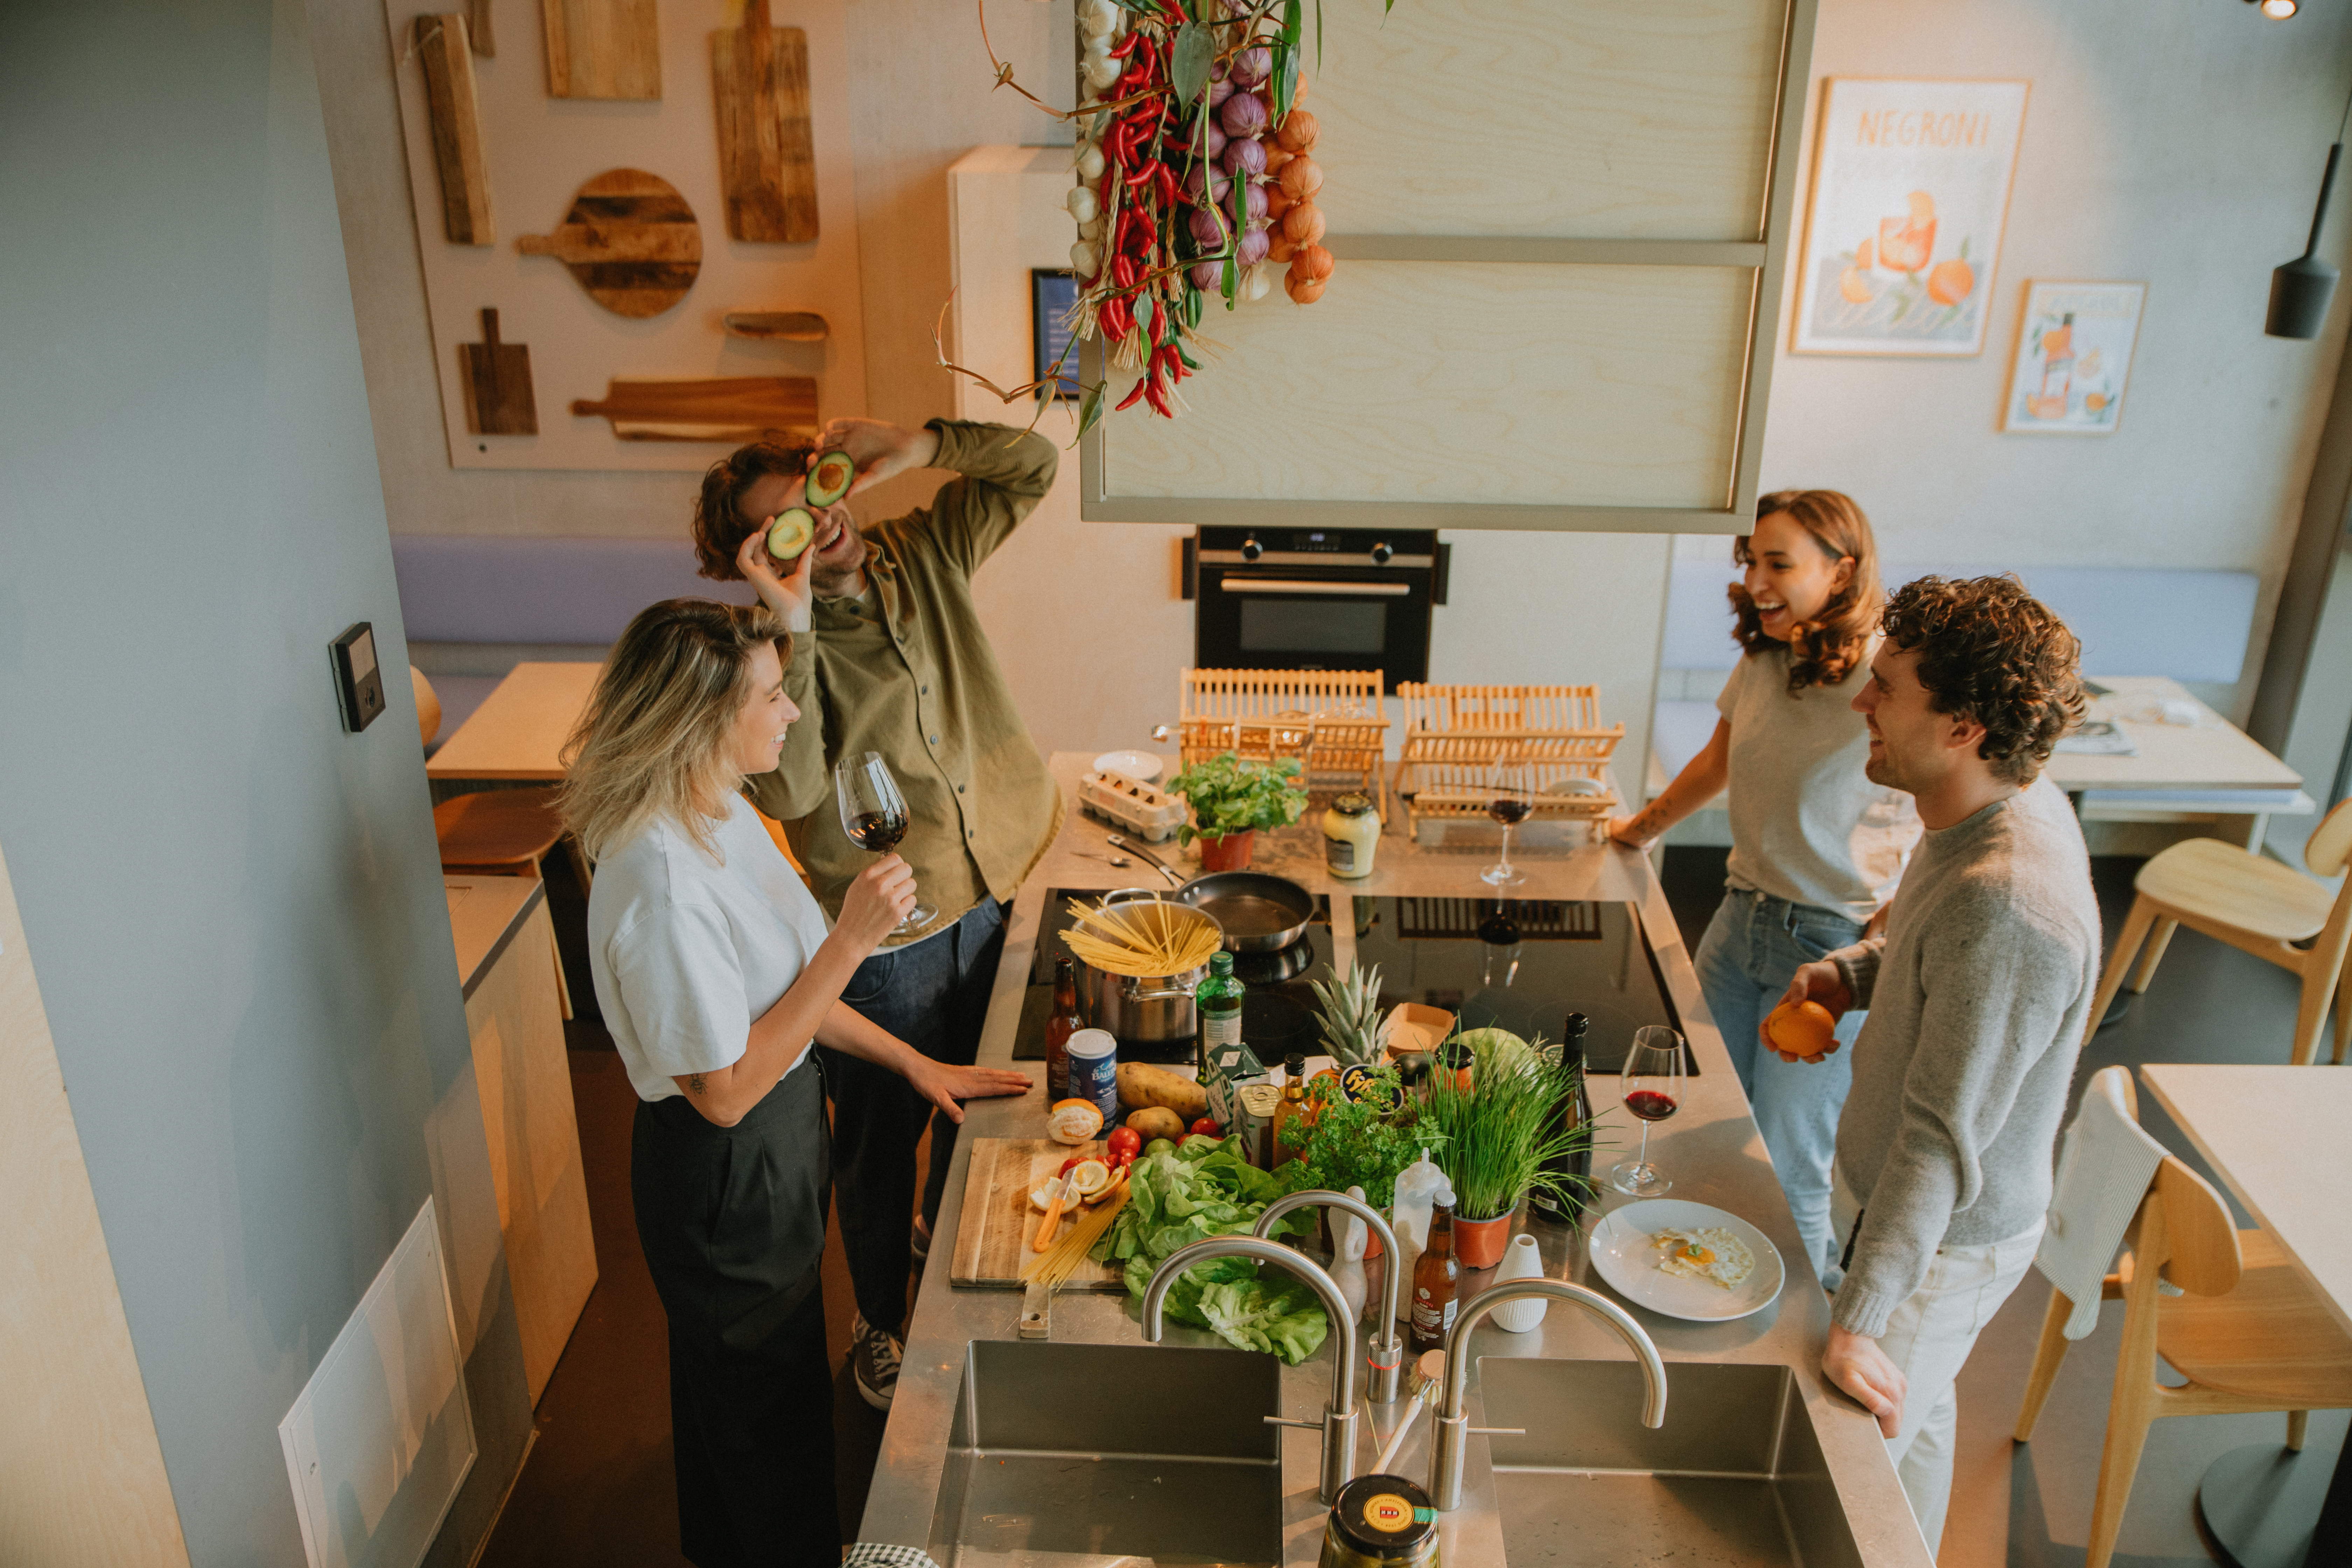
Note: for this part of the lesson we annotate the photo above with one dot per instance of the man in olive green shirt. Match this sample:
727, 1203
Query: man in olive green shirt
889, 657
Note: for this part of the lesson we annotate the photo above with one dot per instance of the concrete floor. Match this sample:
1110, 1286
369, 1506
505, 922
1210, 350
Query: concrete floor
597, 1488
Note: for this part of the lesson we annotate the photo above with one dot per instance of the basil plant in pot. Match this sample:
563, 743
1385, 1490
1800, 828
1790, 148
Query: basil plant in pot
1501, 1136
1232, 799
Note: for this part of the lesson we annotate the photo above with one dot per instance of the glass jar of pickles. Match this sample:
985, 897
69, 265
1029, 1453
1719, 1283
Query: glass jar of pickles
1352, 832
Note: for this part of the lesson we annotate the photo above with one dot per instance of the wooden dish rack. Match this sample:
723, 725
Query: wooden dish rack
1454, 735
1330, 719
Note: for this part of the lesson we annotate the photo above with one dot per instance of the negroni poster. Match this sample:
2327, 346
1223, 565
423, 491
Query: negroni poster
1910, 189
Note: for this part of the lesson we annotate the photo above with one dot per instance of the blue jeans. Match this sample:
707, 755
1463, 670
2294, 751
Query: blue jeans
1752, 947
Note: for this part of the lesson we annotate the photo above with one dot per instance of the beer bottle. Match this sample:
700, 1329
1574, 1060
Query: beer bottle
1434, 1278
1060, 1024
1575, 1109
1217, 1001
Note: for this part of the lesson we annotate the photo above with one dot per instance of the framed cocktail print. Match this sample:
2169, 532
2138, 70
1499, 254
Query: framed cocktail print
2073, 356
1910, 190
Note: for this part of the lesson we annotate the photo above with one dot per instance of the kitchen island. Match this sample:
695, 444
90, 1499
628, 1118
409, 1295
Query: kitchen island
1712, 1150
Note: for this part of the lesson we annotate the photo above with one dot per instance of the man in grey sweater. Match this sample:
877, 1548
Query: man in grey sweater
1976, 995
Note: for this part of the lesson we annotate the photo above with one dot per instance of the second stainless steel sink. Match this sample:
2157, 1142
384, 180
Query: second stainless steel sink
1735, 1477
1075, 1456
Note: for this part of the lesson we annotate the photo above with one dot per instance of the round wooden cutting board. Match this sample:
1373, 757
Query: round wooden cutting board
630, 239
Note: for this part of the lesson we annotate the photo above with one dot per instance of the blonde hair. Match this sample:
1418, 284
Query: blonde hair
650, 745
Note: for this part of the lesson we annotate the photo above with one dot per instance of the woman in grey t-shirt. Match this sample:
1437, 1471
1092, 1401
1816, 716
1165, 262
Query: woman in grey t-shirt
1816, 847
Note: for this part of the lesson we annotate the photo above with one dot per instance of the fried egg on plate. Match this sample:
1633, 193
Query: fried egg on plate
1709, 1252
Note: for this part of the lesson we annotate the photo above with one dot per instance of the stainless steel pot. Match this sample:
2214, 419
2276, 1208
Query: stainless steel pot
1148, 1010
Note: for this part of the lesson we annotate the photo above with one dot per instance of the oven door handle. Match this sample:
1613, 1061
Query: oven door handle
1301, 585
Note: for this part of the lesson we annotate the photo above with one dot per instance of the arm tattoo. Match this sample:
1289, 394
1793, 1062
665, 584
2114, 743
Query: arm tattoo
694, 1083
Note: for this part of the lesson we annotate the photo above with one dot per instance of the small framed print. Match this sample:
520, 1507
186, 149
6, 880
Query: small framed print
1051, 296
2074, 358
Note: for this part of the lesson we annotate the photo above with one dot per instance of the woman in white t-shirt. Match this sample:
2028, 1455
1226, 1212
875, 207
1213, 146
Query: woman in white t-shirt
1816, 847
715, 972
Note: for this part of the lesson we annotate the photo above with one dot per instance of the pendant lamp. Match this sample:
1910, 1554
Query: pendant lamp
2302, 288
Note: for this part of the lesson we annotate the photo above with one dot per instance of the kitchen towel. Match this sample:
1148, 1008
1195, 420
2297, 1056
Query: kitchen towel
2104, 1164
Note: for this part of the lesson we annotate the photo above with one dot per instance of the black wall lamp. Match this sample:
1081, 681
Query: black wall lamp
2302, 288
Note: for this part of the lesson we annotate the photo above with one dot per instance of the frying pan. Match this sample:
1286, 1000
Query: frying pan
1258, 912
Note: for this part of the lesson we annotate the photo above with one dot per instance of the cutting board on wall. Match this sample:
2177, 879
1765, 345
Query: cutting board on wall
767, 154
734, 408
993, 1236
443, 47
602, 48
497, 378
630, 239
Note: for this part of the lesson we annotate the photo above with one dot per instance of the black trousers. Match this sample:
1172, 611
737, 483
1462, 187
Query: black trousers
934, 996
733, 1222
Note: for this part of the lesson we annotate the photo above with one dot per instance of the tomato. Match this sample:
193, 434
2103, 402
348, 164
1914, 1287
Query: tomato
1123, 1144
1207, 1128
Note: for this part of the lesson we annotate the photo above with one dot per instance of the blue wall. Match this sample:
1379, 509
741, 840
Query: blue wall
237, 908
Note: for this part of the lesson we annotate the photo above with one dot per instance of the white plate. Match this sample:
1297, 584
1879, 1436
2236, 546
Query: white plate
1140, 766
1623, 1254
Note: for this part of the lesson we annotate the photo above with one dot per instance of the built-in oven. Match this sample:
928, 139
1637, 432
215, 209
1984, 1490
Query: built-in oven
1326, 598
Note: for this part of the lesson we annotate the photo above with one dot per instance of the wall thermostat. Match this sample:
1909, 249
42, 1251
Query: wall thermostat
358, 681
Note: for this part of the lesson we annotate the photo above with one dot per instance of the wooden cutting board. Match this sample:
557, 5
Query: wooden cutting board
630, 239
993, 1234
738, 409
767, 161
442, 46
788, 326
602, 48
496, 379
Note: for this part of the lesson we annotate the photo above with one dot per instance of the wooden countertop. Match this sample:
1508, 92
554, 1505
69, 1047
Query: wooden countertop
519, 728
485, 912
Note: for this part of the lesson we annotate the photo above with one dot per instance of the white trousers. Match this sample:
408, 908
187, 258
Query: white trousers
1928, 1338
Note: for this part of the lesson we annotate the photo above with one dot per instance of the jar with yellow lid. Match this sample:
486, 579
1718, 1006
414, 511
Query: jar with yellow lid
1352, 832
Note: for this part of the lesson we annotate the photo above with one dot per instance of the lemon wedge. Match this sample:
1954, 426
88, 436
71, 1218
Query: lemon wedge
1090, 1179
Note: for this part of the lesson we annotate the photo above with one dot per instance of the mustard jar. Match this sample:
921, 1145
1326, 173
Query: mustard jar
1352, 832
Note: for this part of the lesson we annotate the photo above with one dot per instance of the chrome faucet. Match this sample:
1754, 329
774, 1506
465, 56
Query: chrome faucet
1453, 1428
1385, 1356
1338, 1422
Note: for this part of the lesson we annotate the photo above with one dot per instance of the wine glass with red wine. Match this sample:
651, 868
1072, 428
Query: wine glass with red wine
1508, 804
1651, 1088
874, 815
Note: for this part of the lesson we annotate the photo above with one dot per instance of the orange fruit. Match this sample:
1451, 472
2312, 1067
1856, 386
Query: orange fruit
1854, 286
1951, 281
1864, 252
2095, 401
1801, 1028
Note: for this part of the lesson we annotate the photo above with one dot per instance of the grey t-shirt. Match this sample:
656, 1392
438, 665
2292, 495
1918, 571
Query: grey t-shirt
1977, 995
1806, 825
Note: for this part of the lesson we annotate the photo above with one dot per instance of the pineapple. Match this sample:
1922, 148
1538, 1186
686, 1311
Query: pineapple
1350, 1012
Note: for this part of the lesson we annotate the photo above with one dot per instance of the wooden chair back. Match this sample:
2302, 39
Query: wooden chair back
2329, 847
2187, 1230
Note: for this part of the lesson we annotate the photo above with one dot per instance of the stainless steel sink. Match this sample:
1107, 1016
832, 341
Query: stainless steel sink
1735, 1477
1077, 1455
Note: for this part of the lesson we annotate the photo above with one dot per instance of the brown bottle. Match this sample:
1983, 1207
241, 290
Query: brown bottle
1290, 1129
1060, 1024
1434, 1278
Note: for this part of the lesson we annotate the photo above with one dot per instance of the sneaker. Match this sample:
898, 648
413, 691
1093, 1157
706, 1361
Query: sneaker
873, 1358
918, 1241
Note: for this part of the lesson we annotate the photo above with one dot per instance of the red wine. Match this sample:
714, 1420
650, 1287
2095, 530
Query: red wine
1510, 812
1649, 1105
878, 830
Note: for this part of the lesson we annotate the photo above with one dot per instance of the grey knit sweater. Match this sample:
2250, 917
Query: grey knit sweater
1977, 994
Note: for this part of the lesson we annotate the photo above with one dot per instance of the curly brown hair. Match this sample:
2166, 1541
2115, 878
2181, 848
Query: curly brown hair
1824, 650
720, 526
1991, 652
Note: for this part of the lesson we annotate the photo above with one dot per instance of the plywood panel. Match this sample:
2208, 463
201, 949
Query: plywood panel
1611, 121
85, 1486
1462, 381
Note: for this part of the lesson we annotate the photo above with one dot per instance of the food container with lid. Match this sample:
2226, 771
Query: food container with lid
1351, 833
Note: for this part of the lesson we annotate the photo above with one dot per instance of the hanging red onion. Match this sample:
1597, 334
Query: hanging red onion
1214, 136
1251, 248
1208, 229
1220, 89
1254, 204
1208, 274
1244, 114
1244, 154
1252, 67
1219, 187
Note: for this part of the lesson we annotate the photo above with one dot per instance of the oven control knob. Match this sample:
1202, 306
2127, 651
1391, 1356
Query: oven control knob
1252, 549
1381, 553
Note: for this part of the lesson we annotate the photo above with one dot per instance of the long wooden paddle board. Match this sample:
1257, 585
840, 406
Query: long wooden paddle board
630, 239
767, 158
457, 156
992, 1237
735, 409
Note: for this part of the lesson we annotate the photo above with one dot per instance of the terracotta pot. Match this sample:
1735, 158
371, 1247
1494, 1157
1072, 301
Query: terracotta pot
1478, 1243
1229, 853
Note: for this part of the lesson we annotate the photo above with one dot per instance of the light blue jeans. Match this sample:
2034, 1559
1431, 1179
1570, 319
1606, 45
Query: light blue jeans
1752, 947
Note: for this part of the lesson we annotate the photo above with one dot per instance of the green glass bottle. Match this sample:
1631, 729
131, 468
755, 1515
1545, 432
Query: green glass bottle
1218, 1002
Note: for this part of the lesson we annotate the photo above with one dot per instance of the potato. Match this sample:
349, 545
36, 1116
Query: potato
1142, 1084
1157, 1121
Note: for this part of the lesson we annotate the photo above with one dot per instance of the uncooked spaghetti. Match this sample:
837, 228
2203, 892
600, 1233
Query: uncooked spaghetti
1142, 937
1058, 1262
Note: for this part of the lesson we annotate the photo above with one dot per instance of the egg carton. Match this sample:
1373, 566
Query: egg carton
1130, 803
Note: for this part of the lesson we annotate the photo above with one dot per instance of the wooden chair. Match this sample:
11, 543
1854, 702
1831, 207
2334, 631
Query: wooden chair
1332, 721
2257, 905
1454, 735
2251, 1334
428, 705
506, 833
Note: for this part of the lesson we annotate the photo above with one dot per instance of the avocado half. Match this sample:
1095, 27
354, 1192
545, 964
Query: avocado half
830, 477
789, 532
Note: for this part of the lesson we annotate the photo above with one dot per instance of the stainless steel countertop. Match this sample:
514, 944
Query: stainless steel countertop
1711, 1149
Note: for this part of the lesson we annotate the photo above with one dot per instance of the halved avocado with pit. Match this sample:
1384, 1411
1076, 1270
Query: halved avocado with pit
789, 532
830, 477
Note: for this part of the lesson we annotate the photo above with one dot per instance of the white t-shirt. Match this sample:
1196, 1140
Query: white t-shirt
687, 950
1807, 824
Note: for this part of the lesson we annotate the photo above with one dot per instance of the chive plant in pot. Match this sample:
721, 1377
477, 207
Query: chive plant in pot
1232, 799
1494, 1137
